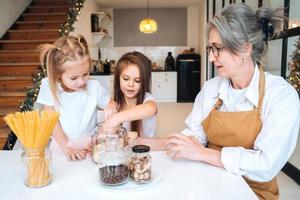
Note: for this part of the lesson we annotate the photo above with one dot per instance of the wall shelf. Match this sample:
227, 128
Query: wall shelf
100, 37
104, 19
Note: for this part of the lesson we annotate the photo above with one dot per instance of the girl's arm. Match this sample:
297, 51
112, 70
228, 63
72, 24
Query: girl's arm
110, 109
155, 143
62, 140
137, 112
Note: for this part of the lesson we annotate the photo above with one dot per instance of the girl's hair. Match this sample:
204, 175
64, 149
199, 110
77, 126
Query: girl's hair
66, 48
239, 24
144, 66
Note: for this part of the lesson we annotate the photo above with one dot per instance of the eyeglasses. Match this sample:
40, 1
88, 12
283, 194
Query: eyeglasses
215, 50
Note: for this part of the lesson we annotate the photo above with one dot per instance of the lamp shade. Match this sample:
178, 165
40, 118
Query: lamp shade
148, 25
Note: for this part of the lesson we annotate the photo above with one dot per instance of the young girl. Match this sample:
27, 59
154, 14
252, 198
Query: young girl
68, 90
137, 107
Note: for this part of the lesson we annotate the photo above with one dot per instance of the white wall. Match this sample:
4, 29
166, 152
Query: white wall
157, 54
193, 27
83, 24
10, 10
202, 40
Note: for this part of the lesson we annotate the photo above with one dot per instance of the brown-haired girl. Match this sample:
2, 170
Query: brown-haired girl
137, 107
68, 90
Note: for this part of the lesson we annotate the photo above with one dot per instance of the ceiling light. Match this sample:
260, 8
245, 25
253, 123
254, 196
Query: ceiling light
148, 25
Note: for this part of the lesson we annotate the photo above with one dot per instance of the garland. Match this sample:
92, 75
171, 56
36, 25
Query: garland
74, 11
294, 67
32, 93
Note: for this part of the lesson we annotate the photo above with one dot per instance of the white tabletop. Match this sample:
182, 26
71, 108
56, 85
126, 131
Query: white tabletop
184, 180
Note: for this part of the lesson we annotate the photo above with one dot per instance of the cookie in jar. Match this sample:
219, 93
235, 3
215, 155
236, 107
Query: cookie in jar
140, 164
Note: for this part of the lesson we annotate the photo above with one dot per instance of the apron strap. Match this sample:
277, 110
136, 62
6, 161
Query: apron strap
261, 87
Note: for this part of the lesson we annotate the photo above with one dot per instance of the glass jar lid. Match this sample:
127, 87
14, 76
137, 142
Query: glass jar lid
140, 148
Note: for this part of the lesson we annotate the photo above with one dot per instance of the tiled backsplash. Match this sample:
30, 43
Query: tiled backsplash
155, 54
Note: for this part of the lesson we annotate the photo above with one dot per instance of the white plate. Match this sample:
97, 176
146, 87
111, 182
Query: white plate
128, 186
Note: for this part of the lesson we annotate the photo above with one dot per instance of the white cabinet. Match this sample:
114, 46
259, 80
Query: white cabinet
164, 86
107, 81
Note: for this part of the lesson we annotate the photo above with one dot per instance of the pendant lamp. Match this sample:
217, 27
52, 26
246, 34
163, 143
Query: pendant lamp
148, 25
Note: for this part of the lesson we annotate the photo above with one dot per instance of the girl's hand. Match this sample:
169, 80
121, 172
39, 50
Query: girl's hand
181, 146
110, 110
111, 122
74, 154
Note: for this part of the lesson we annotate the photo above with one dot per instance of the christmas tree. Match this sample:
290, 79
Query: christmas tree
294, 67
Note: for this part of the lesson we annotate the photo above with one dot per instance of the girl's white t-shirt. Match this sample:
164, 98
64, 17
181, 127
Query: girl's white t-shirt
149, 123
78, 110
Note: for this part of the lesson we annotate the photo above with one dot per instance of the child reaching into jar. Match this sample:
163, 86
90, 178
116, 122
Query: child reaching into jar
68, 90
136, 105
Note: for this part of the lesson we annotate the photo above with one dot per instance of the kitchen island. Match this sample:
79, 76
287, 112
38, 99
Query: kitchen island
176, 180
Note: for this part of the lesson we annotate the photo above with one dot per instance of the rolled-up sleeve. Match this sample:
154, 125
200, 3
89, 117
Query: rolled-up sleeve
194, 119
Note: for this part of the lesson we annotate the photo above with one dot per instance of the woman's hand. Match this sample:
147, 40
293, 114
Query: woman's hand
181, 146
110, 110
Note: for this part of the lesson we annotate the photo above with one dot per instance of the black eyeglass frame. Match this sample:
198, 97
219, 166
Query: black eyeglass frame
214, 49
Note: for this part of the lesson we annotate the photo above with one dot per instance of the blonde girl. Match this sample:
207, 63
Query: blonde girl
68, 90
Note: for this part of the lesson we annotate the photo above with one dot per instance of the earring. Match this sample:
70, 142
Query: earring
244, 59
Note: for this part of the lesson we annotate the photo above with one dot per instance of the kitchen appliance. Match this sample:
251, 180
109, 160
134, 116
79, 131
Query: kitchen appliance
188, 77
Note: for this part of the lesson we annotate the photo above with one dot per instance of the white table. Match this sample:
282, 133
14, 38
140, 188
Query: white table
180, 180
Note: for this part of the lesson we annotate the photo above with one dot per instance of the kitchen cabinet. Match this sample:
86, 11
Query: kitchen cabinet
164, 85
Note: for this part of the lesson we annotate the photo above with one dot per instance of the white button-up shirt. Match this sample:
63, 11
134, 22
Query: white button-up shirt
280, 124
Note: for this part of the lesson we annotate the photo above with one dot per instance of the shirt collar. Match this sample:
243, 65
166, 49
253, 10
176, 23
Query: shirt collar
252, 93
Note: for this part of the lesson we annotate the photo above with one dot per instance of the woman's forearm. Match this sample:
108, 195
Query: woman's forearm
212, 157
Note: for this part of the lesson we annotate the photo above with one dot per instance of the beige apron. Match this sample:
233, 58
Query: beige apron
236, 129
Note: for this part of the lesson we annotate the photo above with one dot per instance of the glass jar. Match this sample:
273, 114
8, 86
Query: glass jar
112, 156
37, 167
98, 143
99, 139
131, 138
140, 164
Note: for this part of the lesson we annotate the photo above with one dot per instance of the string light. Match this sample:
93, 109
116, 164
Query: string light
72, 16
294, 67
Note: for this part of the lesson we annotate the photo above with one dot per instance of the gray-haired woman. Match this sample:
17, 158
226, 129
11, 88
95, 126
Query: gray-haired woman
244, 120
